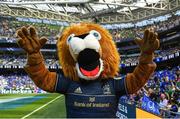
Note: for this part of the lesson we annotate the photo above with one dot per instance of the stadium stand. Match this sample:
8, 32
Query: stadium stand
162, 88
20, 60
120, 35
8, 28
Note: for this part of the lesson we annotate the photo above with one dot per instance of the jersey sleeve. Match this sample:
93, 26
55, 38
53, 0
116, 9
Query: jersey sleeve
62, 84
120, 86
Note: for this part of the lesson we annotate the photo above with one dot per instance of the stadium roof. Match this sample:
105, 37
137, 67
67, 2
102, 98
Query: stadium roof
103, 11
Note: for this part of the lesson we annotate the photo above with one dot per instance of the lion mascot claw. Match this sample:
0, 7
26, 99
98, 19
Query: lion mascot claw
90, 62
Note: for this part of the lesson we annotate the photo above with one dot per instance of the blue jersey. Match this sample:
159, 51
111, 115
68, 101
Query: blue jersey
89, 99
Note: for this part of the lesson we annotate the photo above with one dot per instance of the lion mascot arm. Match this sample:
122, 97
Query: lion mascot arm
35, 67
146, 66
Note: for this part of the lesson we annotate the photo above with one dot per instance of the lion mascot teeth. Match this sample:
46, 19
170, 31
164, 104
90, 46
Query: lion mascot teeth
90, 62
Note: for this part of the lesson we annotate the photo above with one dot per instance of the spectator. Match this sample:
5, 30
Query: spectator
163, 100
152, 95
164, 85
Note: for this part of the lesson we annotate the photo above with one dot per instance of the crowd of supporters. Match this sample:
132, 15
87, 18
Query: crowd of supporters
15, 82
125, 59
9, 60
128, 34
162, 88
52, 61
8, 29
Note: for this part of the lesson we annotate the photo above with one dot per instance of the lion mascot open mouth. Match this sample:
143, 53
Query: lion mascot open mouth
90, 62
87, 51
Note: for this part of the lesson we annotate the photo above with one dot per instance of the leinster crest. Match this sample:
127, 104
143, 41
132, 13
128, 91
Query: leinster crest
106, 89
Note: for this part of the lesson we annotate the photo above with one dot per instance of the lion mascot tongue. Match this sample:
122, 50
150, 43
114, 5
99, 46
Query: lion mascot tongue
90, 62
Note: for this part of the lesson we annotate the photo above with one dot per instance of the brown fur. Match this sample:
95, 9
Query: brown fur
110, 55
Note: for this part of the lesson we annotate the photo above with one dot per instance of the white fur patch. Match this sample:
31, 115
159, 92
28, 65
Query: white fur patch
78, 44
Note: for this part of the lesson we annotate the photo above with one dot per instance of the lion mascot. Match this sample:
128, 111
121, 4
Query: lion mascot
90, 63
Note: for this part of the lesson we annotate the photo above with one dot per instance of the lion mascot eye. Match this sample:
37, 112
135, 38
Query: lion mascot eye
96, 34
70, 38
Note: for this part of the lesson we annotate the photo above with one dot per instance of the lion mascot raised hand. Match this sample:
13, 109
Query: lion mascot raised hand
90, 62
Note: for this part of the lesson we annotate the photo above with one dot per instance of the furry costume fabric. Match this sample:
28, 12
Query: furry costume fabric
90, 62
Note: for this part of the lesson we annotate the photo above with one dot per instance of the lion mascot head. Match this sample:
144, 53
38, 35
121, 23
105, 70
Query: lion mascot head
87, 51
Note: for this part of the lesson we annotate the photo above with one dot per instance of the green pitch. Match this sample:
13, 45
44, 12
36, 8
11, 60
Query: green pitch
32, 106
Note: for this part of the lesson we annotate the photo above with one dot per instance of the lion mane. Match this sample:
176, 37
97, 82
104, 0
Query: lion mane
110, 55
